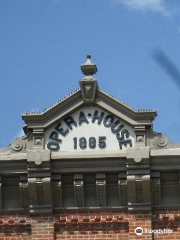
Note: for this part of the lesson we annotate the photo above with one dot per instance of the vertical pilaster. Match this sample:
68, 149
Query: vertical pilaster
122, 187
57, 190
40, 192
139, 189
131, 190
39, 181
33, 200
156, 188
138, 178
78, 190
146, 188
101, 189
23, 185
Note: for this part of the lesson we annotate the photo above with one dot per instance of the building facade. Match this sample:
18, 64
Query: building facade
90, 167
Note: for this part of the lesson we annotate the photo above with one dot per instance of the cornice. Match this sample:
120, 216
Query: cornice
75, 100
62, 106
142, 115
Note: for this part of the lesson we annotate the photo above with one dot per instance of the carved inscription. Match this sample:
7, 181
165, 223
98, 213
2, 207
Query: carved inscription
96, 117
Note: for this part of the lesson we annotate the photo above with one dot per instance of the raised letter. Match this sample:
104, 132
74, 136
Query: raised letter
102, 142
69, 121
114, 127
109, 119
54, 136
125, 142
124, 133
96, 117
61, 131
54, 146
82, 118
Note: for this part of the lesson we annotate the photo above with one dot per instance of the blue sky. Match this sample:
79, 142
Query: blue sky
43, 43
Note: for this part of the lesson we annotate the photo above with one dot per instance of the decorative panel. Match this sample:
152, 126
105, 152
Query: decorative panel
90, 194
170, 193
68, 199
24, 194
156, 191
56, 193
112, 189
10, 192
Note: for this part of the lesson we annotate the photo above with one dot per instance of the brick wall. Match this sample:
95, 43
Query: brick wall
168, 220
90, 225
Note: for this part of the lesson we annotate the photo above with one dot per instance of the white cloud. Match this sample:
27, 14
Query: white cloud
144, 5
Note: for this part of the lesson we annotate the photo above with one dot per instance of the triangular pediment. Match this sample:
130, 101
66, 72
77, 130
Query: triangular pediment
76, 124
75, 101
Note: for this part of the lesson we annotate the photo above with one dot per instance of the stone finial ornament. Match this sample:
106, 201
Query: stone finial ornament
88, 68
88, 84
